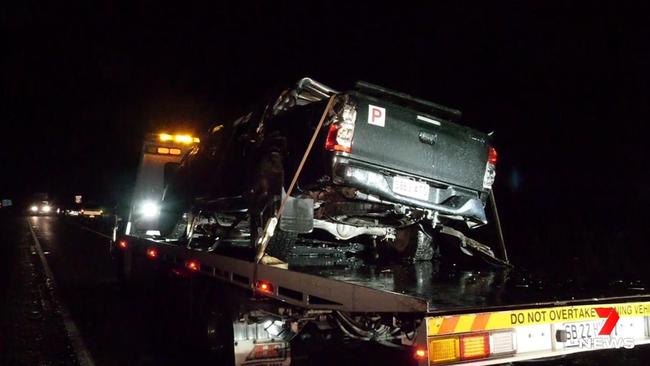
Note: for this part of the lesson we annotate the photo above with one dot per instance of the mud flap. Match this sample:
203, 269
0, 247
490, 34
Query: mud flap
298, 215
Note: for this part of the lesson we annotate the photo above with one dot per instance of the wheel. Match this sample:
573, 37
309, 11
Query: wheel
265, 199
281, 243
414, 243
213, 325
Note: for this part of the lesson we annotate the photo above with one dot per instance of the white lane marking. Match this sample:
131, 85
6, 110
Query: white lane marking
94, 232
427, 119
81, 351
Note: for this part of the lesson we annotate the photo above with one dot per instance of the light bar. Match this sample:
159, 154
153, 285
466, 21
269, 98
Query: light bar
181, 139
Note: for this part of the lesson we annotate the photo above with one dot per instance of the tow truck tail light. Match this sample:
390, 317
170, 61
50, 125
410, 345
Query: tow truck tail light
152, 253
474, 346
264, 286
502, 343
469, 346
490, 168
193, 265
341, 131
443, 350
122, 244
420, 354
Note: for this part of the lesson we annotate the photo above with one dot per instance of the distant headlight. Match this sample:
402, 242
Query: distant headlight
149, 209
46, 208
34, 208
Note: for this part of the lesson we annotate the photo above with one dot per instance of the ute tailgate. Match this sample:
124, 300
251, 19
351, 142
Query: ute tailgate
418, 144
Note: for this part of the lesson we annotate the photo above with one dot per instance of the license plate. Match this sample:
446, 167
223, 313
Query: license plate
411, 188
579, 331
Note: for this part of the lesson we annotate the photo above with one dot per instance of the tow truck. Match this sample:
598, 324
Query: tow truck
254, 313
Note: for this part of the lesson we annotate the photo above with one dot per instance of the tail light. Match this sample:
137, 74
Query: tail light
471, 346
193, 265
420, 354
122, 244
474, 346
444, 350
152, 253
341, 132
490, 168
265, 286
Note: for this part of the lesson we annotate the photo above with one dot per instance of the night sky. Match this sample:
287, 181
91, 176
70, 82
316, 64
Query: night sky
565, 87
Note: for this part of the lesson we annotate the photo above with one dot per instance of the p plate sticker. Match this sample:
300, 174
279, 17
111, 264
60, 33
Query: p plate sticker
376, 115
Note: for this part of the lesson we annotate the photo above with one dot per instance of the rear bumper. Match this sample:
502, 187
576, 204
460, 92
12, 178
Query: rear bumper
450, 201
537, 332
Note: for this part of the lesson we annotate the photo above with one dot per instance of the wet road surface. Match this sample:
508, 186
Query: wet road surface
117, 327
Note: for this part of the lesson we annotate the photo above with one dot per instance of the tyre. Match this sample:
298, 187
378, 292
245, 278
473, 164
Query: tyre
414, 243
281, 243
267, 188
213, 319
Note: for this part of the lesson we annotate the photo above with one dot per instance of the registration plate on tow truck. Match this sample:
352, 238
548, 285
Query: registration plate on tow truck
579, 332
585, 333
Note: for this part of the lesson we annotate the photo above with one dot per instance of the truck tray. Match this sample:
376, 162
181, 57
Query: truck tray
358, 286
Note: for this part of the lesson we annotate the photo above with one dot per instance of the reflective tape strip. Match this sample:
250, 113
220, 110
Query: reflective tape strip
448, 325
452, 324
465, 323
480, 322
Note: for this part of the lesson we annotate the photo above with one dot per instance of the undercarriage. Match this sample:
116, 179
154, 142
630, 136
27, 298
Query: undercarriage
343, 223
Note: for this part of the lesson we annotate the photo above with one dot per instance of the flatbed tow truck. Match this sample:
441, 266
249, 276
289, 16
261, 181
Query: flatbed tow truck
250, 313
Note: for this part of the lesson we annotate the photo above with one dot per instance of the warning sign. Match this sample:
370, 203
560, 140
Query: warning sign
510, 319
572, 314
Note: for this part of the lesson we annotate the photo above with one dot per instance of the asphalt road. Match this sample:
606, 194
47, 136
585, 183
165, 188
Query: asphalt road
88, 318
117, 327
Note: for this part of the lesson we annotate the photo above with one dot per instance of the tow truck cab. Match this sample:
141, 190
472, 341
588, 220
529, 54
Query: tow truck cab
160, 157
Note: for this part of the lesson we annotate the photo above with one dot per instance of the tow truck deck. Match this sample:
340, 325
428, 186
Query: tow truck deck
501, 318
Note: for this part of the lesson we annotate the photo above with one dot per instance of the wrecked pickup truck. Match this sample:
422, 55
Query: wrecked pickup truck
368, 164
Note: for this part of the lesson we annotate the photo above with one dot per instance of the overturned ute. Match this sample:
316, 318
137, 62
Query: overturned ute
365, 165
